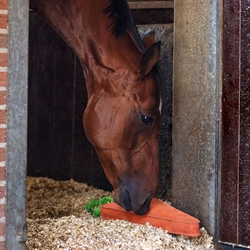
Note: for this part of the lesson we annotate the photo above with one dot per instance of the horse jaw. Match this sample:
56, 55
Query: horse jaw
133, 177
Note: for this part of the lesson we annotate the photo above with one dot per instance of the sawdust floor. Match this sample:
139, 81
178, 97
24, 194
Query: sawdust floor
57, 220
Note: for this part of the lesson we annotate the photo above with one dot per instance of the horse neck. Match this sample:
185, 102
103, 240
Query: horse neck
88, 31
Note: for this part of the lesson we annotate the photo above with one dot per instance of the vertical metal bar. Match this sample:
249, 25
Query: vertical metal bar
17, 125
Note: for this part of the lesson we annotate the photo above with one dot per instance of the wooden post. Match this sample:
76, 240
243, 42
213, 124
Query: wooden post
151, 5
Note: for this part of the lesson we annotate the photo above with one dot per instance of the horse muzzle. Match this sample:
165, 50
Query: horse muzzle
131, 201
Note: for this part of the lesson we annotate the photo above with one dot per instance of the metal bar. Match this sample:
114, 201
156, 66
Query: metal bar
152, 5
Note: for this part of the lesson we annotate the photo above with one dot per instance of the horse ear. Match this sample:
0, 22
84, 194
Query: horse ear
150, 58
149, 40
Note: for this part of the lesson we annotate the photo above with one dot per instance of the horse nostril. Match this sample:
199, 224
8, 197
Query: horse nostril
148, 201
127, 201
130, 202
144, 208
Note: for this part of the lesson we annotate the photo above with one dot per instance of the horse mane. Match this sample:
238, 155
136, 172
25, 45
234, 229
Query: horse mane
119, 11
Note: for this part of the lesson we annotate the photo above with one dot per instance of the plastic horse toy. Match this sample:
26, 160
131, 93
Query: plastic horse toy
122, 116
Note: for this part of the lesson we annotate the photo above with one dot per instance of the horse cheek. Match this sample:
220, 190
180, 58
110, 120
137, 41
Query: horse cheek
89, 125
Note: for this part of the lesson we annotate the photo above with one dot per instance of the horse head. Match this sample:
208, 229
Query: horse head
122, 123
122, 116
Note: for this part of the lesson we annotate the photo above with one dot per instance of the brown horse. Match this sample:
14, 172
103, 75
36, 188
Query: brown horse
122, 117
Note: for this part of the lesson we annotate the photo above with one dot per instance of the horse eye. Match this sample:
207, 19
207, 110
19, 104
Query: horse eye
147, 120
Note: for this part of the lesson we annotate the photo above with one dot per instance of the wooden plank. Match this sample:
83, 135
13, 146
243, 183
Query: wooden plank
235, 171
230, 122
244, 163
51, 72
152, 5
149, 1
153, 16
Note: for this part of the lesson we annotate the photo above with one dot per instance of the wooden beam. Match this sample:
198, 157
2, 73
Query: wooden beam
152, 5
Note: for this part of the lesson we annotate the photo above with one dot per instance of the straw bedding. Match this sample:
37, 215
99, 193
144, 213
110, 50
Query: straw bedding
57, 220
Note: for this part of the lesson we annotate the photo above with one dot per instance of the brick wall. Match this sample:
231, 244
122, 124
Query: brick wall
3, 110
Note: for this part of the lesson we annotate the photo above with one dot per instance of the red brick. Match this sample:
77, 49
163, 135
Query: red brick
2, 192
3, 83
3, 41
3, 79
3, 4
2, 174
3, 21
2, 229
3, 99
3, 59
2, 210
2, 158
2, 246
3, 76
2, 116
2, 135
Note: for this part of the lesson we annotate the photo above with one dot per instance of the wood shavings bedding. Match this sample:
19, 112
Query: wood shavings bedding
57, 219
